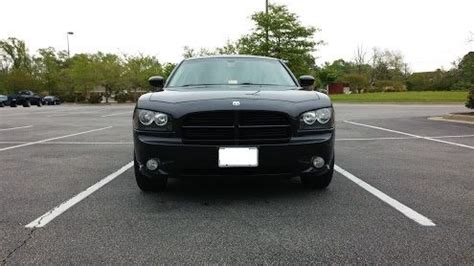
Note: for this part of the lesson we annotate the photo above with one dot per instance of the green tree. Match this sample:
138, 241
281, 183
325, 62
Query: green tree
109, 73
138, 69
466, 68
47, 67
14, 54
287, 39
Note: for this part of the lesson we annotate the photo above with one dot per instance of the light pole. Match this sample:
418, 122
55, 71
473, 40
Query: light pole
67, 37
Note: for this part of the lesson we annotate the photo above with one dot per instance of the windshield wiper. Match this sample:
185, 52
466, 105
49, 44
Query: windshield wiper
198, 85
258, 84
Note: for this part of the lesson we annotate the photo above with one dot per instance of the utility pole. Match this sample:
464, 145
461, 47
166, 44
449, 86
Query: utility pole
67, 37
266, 28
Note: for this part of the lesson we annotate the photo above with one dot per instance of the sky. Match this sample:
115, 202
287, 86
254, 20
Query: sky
430, 34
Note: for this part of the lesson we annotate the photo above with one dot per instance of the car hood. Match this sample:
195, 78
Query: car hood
181, 96
179, 102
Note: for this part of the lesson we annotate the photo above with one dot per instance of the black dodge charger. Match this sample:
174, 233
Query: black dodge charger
233, 115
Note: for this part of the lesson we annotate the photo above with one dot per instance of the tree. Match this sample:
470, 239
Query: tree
47, 67
287, 39
466, 68
14, 55
109, 70
138, 69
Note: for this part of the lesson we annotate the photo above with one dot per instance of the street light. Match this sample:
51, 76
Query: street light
67, 37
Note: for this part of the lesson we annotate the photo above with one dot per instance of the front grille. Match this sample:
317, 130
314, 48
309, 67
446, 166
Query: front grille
236, 127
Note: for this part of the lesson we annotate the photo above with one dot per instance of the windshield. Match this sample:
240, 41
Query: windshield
232, 72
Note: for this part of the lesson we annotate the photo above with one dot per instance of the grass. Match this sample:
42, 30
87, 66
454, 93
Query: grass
403, 97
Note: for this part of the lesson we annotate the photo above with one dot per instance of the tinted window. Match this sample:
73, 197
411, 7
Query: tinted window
231, 71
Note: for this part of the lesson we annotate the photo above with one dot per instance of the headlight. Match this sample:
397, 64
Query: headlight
161, 119
146, 117
322, 116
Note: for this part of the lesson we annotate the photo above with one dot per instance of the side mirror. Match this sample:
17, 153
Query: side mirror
306, 81
157, 82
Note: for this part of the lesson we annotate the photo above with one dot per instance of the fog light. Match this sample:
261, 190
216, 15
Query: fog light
152, 164
318, 162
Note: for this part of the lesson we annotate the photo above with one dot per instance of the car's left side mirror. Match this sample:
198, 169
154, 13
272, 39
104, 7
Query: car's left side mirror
157, 82
306, 81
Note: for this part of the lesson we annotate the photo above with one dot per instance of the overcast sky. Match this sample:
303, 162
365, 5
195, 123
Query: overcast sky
430, 34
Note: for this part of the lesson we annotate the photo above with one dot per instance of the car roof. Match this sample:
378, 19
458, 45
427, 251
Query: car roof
232, 56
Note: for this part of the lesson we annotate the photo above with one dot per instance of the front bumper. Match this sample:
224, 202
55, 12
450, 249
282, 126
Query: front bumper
184, 160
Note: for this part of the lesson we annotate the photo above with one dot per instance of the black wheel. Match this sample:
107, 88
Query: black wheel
318, 181
2, 104
26, 104
146, 184
12, 104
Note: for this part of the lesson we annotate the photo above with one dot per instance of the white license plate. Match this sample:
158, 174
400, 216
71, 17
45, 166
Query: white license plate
238, 157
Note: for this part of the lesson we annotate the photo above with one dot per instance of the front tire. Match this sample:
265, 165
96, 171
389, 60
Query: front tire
318, 181
147, 184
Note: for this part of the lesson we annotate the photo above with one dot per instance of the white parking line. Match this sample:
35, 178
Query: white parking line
13, 128
58, 210
411, 135
73, 142
50, 139
405, 210
114, 114
75, 113
368, 139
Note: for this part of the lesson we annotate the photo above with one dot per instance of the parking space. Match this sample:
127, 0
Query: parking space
70, 150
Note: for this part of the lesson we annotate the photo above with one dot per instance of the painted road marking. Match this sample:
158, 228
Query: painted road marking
121, 113
73, 142
58, 210
75, 113
405, 210
402, 138
50, 139
13, 128
411, 135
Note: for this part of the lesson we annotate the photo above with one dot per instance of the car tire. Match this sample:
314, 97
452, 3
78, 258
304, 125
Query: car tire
146, 184
13, 105
318, 181
26, 104
2, 104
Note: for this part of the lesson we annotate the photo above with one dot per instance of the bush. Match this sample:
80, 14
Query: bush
95, 98
389, 86
122, 97
470, 99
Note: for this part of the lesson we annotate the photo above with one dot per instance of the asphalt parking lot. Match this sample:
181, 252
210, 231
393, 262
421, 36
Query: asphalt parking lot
403, 193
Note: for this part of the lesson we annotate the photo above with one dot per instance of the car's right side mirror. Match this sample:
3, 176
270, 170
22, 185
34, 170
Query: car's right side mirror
306, 81
157, 82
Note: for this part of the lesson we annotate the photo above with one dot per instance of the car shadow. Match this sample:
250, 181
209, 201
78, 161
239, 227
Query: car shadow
230, 190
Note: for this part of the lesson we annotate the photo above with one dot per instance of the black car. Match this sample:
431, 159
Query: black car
25, 98
51, 100
233, 115
3, 100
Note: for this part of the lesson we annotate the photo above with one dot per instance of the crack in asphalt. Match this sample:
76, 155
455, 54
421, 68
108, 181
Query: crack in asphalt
29, 236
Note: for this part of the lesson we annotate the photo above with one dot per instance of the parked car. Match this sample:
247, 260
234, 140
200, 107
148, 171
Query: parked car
3, 100
233, 115
51, 100
25, 98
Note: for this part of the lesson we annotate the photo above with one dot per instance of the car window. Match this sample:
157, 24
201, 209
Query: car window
231, 71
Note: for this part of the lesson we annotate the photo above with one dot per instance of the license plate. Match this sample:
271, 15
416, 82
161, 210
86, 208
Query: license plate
238, 157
